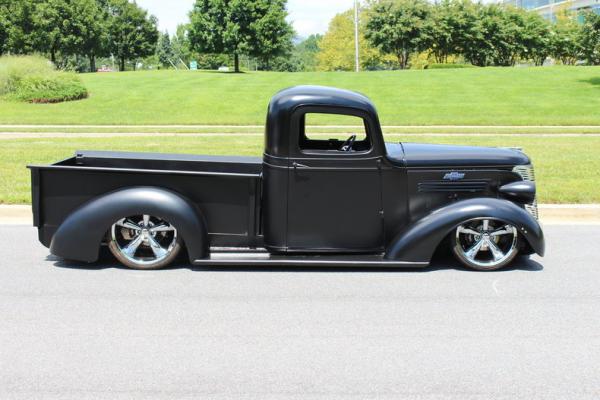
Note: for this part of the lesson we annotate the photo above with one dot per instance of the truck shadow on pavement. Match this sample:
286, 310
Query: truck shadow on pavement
439, 263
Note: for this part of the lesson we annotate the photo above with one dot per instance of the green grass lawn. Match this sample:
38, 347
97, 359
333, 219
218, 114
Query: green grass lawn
567, 168
472, 96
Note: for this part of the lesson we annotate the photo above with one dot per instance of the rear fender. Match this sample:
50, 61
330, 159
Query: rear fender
418, 241
80, 234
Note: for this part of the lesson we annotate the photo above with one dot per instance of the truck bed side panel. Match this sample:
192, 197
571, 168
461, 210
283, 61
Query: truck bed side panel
222, 200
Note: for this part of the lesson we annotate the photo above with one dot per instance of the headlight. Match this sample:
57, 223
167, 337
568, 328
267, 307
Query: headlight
527, 173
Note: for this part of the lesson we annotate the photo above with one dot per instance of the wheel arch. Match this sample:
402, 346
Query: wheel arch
418, 241
79, 236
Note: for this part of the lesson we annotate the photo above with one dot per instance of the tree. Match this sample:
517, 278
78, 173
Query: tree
272, 34
535, 38
399, 27
448, 27
502, 35
564, 39
18, 21
212, 32
180, 44
207, 27
303, 57
164, 51
253, 27
54, 31
337, 46
3, 26
590, 38
54, 27
70, 28
132, 32
89, 27
3, 32
494, 38
306, 52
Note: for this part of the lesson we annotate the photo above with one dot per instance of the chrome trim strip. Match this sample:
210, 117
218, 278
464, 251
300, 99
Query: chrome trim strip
309, 168
262, 258
141, 170
332, 157
527, 173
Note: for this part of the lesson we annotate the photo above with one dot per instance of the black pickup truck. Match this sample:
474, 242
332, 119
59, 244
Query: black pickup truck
308, 201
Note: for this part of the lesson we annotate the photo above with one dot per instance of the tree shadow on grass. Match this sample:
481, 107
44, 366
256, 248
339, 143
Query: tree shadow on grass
592, 81
214, 71
440, 262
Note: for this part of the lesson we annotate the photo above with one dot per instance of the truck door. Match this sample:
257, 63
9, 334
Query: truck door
334, 192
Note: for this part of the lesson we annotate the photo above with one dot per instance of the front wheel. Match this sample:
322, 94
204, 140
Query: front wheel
144, 242
485, 244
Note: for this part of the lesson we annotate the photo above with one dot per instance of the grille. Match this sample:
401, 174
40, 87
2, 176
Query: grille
527, 173
445, 186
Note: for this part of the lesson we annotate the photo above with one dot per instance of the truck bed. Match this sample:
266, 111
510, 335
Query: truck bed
226, 190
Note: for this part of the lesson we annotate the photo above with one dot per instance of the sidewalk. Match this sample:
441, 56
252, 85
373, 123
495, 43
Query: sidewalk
550, 214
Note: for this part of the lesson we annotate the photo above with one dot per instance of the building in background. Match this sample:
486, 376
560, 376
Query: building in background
549, 8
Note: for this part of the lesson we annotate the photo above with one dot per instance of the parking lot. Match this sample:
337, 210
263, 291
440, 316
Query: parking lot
75, 331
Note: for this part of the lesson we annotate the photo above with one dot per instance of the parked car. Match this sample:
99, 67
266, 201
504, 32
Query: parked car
308, 201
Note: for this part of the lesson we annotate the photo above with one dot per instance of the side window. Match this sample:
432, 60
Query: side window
334, 132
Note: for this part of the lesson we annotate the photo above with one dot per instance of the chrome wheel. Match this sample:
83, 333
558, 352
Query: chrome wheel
485, 243
144, 242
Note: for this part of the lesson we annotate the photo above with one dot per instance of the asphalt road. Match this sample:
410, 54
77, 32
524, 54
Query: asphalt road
71, 331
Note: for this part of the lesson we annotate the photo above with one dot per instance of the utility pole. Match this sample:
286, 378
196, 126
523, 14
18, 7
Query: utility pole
356, 55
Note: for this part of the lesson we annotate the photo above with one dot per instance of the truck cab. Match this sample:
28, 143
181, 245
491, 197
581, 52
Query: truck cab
353, 200
331, 184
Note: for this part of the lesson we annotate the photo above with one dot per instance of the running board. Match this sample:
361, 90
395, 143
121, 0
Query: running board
262, 258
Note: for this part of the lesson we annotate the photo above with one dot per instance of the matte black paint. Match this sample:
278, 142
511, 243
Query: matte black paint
443, 155
87, 225
389, 205
414, 242
229, 201
521, 192
285, 109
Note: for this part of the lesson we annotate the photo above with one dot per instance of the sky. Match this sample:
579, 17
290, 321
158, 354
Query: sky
307, 16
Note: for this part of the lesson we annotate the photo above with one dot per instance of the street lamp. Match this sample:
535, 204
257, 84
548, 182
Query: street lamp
356, 57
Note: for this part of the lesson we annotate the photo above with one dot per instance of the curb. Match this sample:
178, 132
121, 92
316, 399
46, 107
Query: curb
564, 214
550, 214
15, 215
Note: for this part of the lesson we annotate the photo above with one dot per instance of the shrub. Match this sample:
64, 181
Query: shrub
35, 80
448, 66
54, 88
13, 69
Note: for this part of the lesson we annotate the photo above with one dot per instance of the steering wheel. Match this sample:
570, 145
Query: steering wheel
347, 146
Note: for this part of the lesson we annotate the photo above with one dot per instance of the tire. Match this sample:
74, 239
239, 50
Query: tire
485, 244
144, 242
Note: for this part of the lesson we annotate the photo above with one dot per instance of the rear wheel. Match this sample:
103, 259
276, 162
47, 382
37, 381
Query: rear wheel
485, 244
144, 242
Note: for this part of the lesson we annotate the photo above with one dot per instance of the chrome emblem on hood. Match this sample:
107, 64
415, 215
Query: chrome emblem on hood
454, 176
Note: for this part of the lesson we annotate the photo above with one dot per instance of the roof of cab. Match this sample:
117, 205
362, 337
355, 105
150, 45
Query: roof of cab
284, 103
288, 99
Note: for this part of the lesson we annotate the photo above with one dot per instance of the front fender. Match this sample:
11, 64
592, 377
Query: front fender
418, 241
80, 234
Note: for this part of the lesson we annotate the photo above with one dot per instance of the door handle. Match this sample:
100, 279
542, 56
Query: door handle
298, 165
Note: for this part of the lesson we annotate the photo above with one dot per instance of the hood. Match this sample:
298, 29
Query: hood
442, 155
